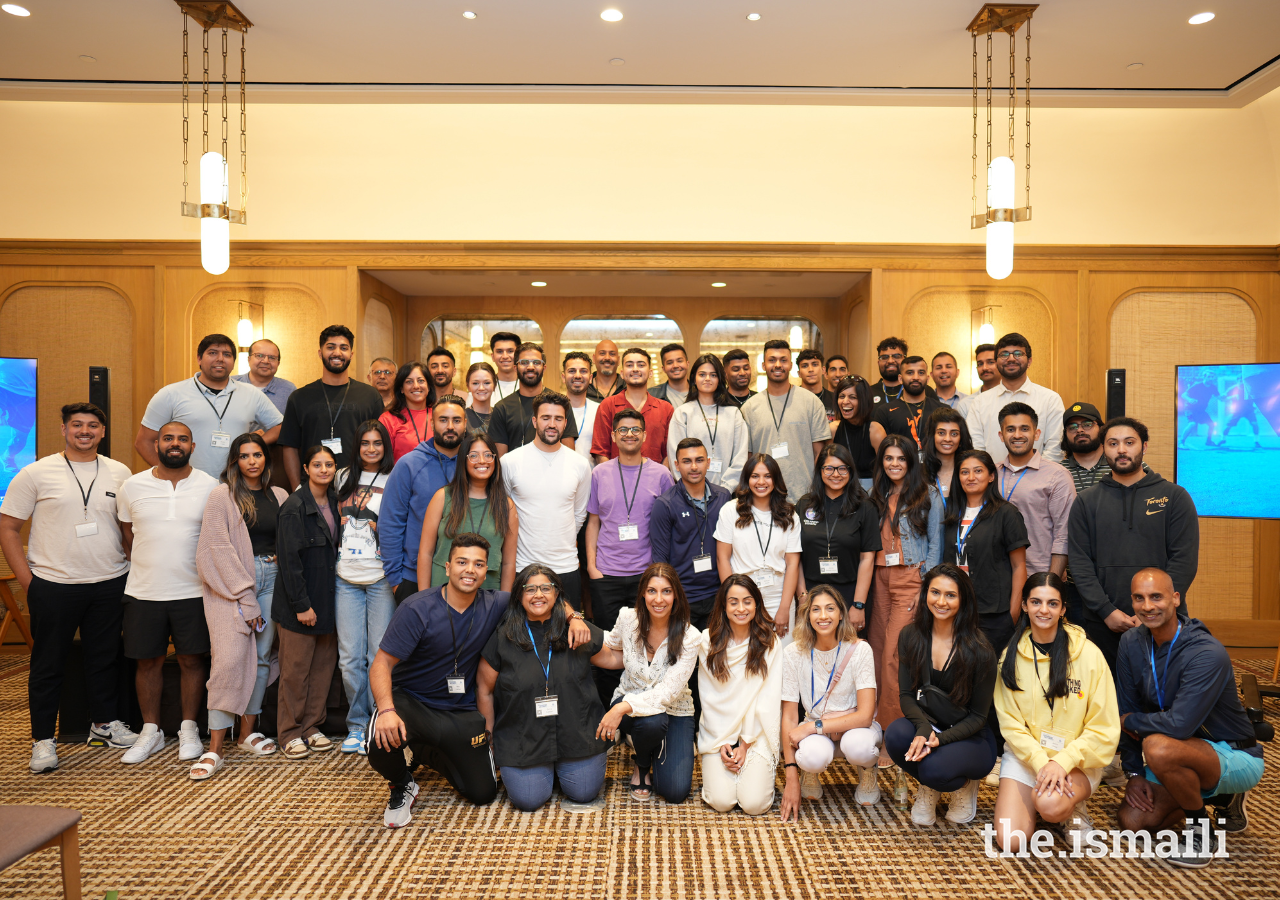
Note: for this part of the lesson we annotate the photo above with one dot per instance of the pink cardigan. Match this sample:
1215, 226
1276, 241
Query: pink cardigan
224, 559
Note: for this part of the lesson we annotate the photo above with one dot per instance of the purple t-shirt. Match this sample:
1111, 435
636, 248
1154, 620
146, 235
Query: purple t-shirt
621, 550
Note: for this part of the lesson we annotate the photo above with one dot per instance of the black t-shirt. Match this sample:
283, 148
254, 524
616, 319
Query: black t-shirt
738, 401
905, 417
857, 440
828, 399
850, 536
594, 393
478, 421
512, 422
318, 411
986, 549
262, 531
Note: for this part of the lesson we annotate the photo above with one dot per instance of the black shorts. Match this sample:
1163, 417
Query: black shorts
149, 624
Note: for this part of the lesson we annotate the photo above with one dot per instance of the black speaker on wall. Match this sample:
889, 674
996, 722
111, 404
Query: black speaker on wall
100, 396
1115, 393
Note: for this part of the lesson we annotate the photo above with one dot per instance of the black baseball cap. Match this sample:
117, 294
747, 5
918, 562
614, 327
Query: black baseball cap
1080, 409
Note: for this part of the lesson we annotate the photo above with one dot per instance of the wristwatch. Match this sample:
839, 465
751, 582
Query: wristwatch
577, 615
817, 723
857, 605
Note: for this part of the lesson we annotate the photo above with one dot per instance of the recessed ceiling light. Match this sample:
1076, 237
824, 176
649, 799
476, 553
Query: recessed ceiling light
1201, 18
717, 284
1134, 66
648, 334
617, 61
753, 17
611, 15
14, 9
538, 283
468, 15
751, 324
88, 58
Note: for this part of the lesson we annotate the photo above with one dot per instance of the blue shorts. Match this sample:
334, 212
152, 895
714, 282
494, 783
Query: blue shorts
1241, 770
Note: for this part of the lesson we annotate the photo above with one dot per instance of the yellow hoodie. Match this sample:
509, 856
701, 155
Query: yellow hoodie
1088, 718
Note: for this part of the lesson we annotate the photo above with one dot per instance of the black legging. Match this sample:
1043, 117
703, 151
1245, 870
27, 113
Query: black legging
948, 767
452, 743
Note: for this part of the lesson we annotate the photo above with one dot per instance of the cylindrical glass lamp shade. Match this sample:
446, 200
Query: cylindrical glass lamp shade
477, 336
244, 333
986, 334
215, 234
1000, 188
1000, 191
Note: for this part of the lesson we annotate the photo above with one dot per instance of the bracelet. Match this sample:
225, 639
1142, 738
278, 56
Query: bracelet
383, 712
790, 766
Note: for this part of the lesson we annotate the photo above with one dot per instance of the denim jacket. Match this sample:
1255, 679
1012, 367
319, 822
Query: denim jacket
924, 550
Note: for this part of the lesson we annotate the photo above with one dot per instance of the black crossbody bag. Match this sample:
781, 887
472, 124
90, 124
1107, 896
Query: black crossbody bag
937, 704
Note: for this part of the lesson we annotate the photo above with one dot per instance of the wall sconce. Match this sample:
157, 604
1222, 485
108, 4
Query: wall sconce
477, 336
795, 337
982, 331
246, 334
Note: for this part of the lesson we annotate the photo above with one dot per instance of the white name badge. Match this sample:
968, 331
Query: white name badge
628, 532
763, 578
333, 445
1051, 741
546, 706
714, 467
86, 529
829, 566
457, 685
702, 564
893, 559
220, 439
779, 451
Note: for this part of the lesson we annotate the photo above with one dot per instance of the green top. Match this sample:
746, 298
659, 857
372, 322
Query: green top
478, 522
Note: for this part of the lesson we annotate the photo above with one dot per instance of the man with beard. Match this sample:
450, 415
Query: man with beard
737, 376
675, 365
945, 371
502, 347
908, 413
73, 572
160, 511
576, 375
606, 382
441, 369
1128, 521
214, 407
1013, 358
550, 485
788, 424
382, 377
329, 410
511, 425
1042, 490
413, 482
656, 413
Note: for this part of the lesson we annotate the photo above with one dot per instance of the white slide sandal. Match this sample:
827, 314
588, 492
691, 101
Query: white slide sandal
265, 747
206, 766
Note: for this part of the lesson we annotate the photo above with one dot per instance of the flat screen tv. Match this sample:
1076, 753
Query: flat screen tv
17, 418
1228, 454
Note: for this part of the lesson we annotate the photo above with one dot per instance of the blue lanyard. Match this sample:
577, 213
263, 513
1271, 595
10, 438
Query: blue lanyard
962, 539
1009, 496
832, 675
938, 481
1159, 687
546, 670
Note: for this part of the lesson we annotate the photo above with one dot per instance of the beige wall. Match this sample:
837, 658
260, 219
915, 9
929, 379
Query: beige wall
645, 173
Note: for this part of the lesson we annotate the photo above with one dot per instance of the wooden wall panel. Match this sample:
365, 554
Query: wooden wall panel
290, 317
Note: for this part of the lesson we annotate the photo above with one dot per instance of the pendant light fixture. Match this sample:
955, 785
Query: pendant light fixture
1001, 214
214, 210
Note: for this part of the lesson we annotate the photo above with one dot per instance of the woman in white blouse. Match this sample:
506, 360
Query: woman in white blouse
656, 648
715, 420
739, 678
759, 536
833, 674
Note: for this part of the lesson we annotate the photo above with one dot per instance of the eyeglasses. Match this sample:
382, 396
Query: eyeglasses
530, 364
1073, 427
532, 589
261, 356
383, 372
479, 457
835, 470
1015, 354
885, 357
629, 429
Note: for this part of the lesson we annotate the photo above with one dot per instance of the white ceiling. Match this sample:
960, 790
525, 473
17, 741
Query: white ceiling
828, 45
418, 283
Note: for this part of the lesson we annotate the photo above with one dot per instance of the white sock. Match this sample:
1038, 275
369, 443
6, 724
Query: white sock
148, 729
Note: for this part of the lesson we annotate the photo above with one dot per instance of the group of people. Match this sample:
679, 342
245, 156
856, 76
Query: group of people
906, 551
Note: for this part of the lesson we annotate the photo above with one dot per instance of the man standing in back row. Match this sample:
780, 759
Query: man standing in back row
675, 365
788, 424
657, 413
511, 425
1013, 358
908, 413
737, 376
605, 383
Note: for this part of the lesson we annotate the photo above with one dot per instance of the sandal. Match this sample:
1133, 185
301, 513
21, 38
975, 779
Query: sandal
642, 791
205, 766
265, 747
296, 749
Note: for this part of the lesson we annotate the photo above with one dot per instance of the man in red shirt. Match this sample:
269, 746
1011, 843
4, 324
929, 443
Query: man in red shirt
657, 413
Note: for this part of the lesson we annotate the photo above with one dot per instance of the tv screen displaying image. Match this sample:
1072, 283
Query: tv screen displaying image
1229, 439
17, 418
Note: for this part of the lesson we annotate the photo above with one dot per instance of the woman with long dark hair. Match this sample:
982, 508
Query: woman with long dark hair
854, 429
408, 418
945, 435
759, 535
946, 676
539, 699
364, 602
711, 417
474, 501
739, 685
656, 648
911, 514
1058, 712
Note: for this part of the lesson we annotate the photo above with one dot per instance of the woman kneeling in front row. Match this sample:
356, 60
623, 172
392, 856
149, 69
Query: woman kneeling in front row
834, 674
539, 698
946, 674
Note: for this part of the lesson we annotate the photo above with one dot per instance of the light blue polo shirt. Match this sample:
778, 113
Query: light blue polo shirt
231, 412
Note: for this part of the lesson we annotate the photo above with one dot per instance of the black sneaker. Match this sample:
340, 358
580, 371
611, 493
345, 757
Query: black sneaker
1233, 810
399, 811
1196, 853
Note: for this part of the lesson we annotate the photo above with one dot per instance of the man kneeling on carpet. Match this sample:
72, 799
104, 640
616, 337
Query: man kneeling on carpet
424, 683
1180, 710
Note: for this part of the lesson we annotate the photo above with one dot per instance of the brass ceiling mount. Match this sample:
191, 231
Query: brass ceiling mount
1006, 17
215, 14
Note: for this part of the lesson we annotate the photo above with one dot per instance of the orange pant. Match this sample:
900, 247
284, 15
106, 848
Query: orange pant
894, 593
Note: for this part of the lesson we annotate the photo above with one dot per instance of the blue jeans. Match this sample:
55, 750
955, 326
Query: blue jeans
581, 780
664, 744
363, 613
265, 575
948, 767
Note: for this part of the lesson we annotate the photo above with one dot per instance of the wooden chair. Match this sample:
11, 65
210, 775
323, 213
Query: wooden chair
29, 829
12, 614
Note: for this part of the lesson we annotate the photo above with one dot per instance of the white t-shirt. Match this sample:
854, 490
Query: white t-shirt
586, 422
166, 528
360, 557
550, 491
503, 390
46, 493
798, 687
966, 524
762, 546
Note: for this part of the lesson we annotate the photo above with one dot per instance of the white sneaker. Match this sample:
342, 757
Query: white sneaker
925, 810
868, 792
114, 734
963, 805
399, 811
145, 747
1113, 774
189, 744
810, 786
44, 756
993, 777
1081, 822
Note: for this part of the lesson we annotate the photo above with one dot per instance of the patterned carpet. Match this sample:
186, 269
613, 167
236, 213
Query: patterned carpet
274, 828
